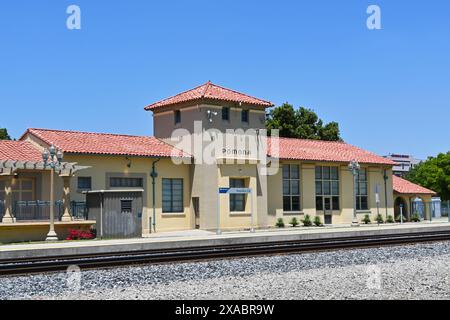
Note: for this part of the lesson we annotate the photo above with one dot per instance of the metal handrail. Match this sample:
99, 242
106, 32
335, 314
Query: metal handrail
40, 210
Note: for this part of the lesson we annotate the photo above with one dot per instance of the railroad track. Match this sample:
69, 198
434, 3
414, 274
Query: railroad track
94, 261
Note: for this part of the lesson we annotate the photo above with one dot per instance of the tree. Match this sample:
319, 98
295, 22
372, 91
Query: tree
4, 135
433, 174
302, 123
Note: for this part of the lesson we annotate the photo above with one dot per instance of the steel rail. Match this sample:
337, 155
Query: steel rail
93, 261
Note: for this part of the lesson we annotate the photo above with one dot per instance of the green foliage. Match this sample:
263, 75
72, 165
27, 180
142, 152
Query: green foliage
302, 123
317, 221
390, 219
294, 222
280, 223
307, 222
366, 219
433, 174
4, 134
379, 219
399, 218
415, 217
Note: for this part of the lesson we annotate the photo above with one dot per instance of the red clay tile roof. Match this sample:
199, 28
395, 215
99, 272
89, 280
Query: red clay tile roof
403, 186
106, 144
209, 91
314, 150
19, 151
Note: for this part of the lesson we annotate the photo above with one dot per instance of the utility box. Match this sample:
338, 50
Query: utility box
118, 213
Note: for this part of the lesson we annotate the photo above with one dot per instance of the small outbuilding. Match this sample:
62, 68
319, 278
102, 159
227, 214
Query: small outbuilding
118, 212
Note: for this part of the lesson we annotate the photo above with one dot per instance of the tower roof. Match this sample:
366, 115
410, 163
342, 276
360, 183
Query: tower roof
209, 91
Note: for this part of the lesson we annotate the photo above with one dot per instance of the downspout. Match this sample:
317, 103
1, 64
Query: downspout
385, 192
154, 175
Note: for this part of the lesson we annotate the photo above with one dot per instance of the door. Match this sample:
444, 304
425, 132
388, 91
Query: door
328, 210
196, 205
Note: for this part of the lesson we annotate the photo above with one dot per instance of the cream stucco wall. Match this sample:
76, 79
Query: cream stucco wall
104, 166
308, 193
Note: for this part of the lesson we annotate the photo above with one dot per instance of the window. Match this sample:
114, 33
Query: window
327, 186
362, 202
23, 190
2, 190
291, 188
172, 195
226, 113
237, 201
177, 115
126, 183
126, 206
244, 116
84, 183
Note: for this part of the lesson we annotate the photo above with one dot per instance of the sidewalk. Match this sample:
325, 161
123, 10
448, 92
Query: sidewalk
200, 237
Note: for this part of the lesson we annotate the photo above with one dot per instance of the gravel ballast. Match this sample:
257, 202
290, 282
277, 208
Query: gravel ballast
405, 272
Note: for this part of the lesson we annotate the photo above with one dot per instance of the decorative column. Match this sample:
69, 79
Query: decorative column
8, 217
67, 217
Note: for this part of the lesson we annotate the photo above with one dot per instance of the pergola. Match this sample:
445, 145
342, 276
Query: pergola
10, 168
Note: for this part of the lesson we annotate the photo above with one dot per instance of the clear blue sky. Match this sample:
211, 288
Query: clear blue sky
388, 89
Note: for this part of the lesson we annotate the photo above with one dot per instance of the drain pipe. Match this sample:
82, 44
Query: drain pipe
154, 175
385, 192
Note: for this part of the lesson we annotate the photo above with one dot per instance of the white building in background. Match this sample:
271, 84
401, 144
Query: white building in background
405, 163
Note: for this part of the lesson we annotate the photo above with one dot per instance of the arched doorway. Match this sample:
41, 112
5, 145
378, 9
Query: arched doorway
398, 202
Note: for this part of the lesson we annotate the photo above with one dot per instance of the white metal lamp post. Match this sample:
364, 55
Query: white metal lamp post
52, 159
354, 168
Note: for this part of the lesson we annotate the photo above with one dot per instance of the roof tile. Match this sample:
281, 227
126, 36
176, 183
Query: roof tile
403, 186
316, 150
107, 144
19, 151
209, 91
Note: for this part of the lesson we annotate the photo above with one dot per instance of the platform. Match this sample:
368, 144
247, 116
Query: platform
191, 239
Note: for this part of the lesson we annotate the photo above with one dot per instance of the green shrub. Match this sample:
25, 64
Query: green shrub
390, 219
317, 221
398, 219
415, 217
307, 222
294, 222
280, 223
379, 219
366, 219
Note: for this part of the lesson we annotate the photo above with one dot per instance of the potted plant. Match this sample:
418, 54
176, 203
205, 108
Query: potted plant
294, 222
379, 219
280, 223
416, 217
390, 219
318, 221
307, 222
366, 219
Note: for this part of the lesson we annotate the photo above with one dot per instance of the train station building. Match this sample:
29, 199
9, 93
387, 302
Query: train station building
210, 165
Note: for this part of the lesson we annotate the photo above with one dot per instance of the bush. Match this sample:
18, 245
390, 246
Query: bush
415, 217
380, 219
317, 222
390, 219
398, 219
81, 235
307, 221
294, 222
280, 223
366, 219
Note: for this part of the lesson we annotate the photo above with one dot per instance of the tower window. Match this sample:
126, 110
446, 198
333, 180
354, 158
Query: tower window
177, 116
226, 113
245, 116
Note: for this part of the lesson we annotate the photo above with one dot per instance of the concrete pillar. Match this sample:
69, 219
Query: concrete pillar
67, 217
8, 216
